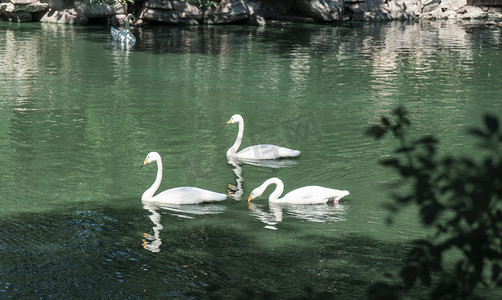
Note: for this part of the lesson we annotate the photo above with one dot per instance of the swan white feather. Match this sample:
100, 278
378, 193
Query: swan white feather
125, 35
179, 195
304, 195
262, 151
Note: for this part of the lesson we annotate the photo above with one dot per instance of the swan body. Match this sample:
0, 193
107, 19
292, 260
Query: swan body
125, 35
262, 151
304, 195
179, 195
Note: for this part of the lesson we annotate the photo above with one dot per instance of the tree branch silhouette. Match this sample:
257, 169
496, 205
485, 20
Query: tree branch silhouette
459, 199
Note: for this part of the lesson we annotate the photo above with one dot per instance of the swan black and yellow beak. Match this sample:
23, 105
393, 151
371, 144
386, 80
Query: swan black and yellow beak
250, 198
146, 162
229, 122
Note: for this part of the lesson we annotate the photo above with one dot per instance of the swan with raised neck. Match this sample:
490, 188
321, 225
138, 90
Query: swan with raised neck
256, 152
179, 195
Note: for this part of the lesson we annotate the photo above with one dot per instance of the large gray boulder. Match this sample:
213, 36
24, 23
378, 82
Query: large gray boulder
430, 5
228, 12
171, 12
21, 10
98, 10
472, 12
403, 9
63, 16
321, 10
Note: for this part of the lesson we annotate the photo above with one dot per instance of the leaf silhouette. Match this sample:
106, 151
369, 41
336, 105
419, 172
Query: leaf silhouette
491, 123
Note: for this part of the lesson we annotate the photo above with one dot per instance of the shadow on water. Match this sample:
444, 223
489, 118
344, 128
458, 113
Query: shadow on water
97, 252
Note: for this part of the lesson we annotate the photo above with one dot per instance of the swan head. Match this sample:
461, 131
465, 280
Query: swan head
130, 17
151, 157
235, 119
257, 192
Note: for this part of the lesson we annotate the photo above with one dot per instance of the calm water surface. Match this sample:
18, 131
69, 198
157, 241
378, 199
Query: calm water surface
79, 115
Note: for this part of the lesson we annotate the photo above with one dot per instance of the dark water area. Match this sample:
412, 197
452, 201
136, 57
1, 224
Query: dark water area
78, 116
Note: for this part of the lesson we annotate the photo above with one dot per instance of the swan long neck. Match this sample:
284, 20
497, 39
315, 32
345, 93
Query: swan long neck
279, 188
127, 28
238, 140
148, 194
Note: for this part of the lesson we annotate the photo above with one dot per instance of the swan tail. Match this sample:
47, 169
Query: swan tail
293, 153
286, 152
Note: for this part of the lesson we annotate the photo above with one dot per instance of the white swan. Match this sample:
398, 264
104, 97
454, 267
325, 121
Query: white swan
262, 151
125, 35
304, 195
179, 195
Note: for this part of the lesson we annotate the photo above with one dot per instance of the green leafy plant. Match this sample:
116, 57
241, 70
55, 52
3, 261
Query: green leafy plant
460, 200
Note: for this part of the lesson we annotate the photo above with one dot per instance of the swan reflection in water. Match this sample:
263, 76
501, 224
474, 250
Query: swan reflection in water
121, 46
319, 213
269, 163
191, 211
235, 191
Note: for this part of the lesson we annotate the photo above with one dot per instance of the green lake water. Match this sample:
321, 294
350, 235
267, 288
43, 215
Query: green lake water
78, 115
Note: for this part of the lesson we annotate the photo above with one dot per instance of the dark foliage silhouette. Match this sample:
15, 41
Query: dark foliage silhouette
459, 199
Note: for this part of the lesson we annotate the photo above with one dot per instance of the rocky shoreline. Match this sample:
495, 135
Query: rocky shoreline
252, 12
